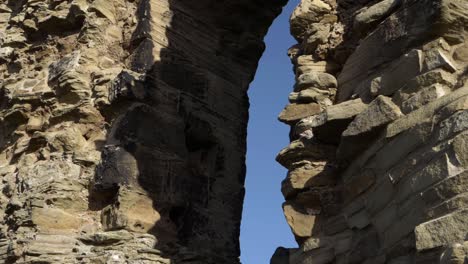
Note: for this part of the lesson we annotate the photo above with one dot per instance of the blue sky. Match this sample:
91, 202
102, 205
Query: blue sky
263, 225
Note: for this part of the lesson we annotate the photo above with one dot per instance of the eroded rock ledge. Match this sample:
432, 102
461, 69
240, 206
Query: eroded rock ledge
379, 133
122, 128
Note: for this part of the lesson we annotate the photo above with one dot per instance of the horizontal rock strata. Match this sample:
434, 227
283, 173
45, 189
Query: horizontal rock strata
379, 173
122, 128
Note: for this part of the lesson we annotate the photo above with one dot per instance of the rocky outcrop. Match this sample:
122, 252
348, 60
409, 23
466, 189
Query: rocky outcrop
122, 128
379, 173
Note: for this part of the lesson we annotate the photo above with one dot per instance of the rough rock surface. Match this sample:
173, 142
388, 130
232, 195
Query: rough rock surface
122, 128
379, 174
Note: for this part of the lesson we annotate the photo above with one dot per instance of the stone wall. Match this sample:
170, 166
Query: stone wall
379, 133
123, 128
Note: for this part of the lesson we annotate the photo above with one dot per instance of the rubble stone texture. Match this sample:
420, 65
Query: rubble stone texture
380, 176
123, 128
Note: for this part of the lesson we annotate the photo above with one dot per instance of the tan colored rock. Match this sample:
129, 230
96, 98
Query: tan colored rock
35, 123
135, 212
323, 97
295, 112
315, 80
300, 150
318, 35
50, 219
104, 8
455, 254
293, 97
366, 127
307, 12
301, 224
311, 174
369, 16
403, 176
461, 53
307, 64
328, 126
380, 112
442, 231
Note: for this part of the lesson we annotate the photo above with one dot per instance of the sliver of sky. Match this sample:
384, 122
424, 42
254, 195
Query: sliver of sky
264, 227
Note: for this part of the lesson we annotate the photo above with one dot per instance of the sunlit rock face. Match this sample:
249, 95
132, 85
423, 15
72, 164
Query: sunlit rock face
123, 127
379, 127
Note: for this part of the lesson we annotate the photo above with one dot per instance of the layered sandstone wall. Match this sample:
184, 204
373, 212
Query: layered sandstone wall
122, 128
379, 133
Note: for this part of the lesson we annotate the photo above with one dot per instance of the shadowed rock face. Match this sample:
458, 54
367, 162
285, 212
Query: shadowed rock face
123, 127
379, 175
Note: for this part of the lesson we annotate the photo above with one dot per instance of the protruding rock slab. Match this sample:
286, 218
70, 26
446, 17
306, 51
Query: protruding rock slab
380, 112
295, 112
369, 16
302, 224
366, 126
311, 173
305, 149
328, 126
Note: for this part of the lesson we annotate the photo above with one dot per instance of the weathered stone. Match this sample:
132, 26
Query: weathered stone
319, 34
316, 95
307, 64
303, 150
461, 54
399, 171
308, 175
52, 244
329, 125
456, 254
442, 231
424, 113
439, 76
293, 97
106, 238
104, 8
423, 97
68, 62
437, 58
366, 126
369, 16
414, 22
380, 112
295, 112
398, 74
49, 219
358, 184
118, 167
307, 12
302, 224
6, 53
135, 212
315, 80
151, 80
